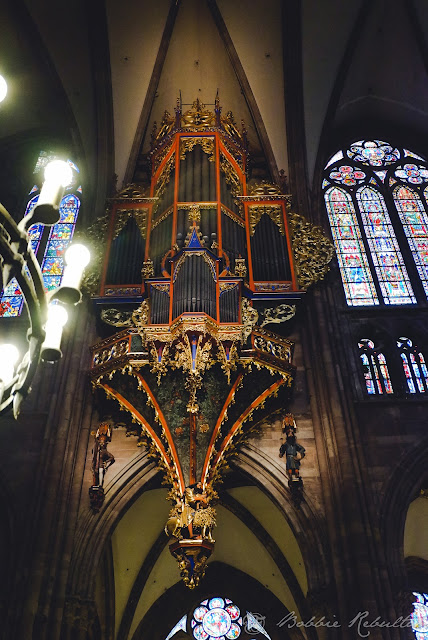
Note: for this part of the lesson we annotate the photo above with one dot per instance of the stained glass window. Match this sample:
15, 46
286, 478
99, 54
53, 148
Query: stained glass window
59, 237
387, 259
419, 616
414, 366
216, 618
375, 369
11, 301
380, 175
415, 223
356, 276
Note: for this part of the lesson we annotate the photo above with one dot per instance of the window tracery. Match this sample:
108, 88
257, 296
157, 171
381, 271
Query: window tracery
414, 366
377, 203
375, 369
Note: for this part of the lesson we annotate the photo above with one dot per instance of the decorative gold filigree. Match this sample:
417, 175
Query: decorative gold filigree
240, 268
312, 250
186, 254
116, 317
263, 188
202, 205
207, 144
147, 270
227, 286
192, 561
164, 177
160, 156
237, 154
132, 191
194, 213
275, 315
231, 176
236, 217
161, 218
141, 317
166, 127
198, 117
249, 318
122, 216
272, 210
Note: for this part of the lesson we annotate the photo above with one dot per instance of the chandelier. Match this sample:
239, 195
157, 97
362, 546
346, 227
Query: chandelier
47, 313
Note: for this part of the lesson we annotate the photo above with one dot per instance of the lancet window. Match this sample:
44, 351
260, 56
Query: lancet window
49, 244
376, 199
414, 366
375, 369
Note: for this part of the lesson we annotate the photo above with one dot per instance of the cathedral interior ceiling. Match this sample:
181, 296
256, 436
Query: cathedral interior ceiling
135, 535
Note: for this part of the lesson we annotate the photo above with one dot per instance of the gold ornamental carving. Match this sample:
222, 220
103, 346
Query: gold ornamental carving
162, 217
233, 216
147, 270
272, 210
164, 177
312, 250
263, 188
198, 117
122, 216
231, 176
207, 144
132, 191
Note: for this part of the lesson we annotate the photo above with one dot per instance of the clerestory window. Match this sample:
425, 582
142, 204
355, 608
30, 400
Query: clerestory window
376, 199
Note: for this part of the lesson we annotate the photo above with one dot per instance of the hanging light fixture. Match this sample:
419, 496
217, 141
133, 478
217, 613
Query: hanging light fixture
18, 261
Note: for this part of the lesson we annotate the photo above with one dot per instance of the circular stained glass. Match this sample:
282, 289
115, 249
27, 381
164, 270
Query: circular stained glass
200, 633
233, 611
199, 613
216, 622
216, 619
234, 631
216, 603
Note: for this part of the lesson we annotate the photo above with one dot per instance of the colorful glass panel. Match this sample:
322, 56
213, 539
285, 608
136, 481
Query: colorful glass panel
374, 153
412, 173
387, 259
347, 175
414, 366
410, 154
415, 224
357, 279
60, 237
216, 619
11, 302
375, 369
381, 175
419, 616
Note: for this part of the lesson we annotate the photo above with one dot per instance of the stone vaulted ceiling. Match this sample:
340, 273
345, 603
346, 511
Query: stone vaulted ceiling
99, 74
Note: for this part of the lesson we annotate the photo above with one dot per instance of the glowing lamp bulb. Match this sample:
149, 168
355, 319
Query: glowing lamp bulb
58, 175
76, 257
58, 172
9, 355
3, 88
57, 317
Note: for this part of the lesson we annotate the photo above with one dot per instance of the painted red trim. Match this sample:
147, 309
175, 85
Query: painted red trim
146, 425
242, 417
166, 429
218, 425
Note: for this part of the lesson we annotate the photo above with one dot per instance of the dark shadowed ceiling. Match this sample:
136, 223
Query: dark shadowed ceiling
93, 77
